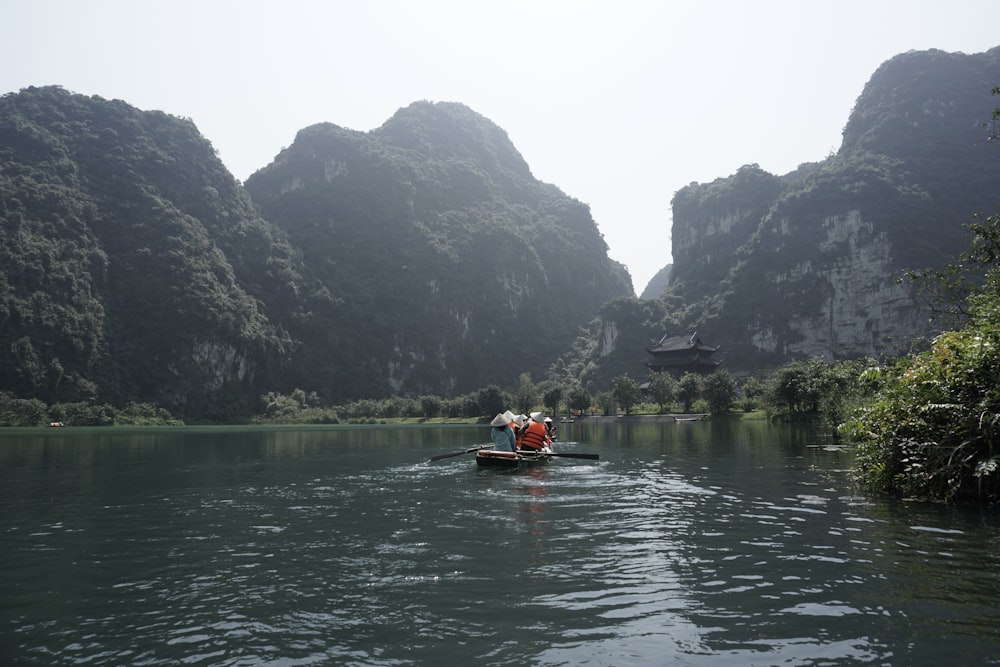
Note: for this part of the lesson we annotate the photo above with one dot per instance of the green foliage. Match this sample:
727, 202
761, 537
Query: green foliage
491, 400
752, 390
131, 263
816, 389
551, 399
578, 399
430, 406
16, 411
81, 413
145, 414
626, 392
134, 268
933, 428
525, 397
444, 258
796, 387
662, 389
689, 389
606, 401
719, 390
633, 324
742, 200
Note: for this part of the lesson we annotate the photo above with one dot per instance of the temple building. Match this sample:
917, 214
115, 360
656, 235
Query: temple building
682, 354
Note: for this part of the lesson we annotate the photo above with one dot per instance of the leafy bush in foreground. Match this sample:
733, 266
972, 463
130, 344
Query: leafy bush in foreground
934, 429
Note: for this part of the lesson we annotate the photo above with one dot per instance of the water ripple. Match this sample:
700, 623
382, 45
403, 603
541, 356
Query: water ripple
685, 552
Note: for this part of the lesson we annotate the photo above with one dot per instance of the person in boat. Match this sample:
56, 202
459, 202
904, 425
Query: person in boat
533, 437
518, 426
502, 434
550, 428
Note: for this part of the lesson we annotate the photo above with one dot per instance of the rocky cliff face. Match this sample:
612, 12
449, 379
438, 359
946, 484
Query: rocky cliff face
421, 257
806, 264
450, 266
859, 309
133, 266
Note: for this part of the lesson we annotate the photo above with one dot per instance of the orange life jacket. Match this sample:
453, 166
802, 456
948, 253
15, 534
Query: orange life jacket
533, 436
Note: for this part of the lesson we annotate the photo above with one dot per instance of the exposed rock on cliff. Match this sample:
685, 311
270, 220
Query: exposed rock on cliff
775, 268
451, 265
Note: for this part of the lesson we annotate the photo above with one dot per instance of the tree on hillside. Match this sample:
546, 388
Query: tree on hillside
801, 386
490, 400
689, 390
626, 392
526, 395
752, 389
662, 388
720, 391
578, 399
551, 399
606, 401
430, 406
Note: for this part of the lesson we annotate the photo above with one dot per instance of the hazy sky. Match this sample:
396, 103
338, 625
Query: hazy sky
618, 103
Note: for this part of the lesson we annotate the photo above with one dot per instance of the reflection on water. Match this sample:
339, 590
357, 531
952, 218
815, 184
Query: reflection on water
698, 544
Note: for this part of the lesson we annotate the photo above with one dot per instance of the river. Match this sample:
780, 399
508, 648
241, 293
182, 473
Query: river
704, 543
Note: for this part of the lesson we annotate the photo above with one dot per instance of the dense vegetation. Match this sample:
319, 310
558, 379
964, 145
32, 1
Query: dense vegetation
447, 261
777, 268
134, 268
932, 429
421, 257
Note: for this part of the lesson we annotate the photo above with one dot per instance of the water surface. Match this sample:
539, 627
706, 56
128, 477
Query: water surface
692, 544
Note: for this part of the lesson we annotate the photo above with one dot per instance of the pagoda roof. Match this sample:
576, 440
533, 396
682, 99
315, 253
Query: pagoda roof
681, 344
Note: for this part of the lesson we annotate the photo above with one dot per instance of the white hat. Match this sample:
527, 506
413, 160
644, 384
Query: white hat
509, 416
548, 420
519, 420
537, 416
500, 420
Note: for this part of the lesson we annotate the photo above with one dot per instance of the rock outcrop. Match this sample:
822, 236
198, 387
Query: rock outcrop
777, 268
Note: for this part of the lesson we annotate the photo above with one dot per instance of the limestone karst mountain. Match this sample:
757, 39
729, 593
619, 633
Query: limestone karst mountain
774, 268
420, 257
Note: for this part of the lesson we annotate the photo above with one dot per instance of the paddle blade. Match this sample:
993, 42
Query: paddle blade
464, 451
448, 455
575, 455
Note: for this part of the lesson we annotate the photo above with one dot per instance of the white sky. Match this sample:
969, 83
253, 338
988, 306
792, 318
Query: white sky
618, 103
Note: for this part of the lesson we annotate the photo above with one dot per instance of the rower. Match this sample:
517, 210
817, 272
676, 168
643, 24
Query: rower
533, 436
550, 429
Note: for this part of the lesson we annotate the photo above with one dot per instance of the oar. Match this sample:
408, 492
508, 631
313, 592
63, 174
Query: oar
574, 455
464, 451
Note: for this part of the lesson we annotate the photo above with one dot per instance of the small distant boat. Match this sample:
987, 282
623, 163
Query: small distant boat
696, 418
488, 458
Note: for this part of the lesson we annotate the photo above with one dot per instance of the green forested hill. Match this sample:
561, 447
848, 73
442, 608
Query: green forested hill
775, 268
134, 266
421, 257
450, 265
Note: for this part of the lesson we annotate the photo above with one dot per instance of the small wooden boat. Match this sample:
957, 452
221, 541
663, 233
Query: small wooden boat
487, 458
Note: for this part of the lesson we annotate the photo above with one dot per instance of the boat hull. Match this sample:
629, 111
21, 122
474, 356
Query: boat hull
486, 458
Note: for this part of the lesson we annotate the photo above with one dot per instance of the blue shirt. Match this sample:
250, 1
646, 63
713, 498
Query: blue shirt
503, 438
